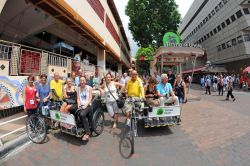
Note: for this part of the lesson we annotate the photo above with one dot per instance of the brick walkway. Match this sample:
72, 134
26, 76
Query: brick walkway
213, 133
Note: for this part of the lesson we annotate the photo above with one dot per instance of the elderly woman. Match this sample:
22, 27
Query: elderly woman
43, 91
150, 92
70, 97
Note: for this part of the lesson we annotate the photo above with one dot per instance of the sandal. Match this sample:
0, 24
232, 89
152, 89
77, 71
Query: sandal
85, 137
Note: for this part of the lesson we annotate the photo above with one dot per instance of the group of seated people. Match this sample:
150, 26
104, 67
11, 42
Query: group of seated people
80, 97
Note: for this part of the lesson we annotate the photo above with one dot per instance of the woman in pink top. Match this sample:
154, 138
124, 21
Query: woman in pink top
30, 94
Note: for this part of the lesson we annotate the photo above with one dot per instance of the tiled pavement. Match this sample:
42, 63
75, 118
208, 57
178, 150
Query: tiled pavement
213, 133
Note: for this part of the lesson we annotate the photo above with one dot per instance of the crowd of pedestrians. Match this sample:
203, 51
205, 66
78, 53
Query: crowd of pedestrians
220, 83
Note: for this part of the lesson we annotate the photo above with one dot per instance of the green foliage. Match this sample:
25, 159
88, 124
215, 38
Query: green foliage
148, 54
151, 19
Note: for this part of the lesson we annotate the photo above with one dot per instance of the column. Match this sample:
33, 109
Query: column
101, 62
2, 3
119, 69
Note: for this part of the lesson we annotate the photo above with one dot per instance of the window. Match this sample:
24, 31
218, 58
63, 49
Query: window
216, 8
219, 47
224, 1
213, 12
228, 44
246, 11
205, 37
201, 24
233, 18
228, 21
211, 33
223, 25
199, 41
206, 19
223, 46
219, 28
198, 26
202, 40
208, 35
234, 42
220, 5
246, 37
239, 14
239, 39
209, 16
215, 31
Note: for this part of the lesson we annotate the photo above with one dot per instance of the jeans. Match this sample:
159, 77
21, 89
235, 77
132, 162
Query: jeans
208, 90
220, 90
84, 119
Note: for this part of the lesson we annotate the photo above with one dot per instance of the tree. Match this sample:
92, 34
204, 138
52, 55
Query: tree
143, 58
151, 19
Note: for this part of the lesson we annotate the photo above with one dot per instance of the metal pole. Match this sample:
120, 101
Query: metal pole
194, 62
161, 63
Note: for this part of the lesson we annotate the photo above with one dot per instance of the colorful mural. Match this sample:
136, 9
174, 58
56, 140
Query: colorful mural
11, 91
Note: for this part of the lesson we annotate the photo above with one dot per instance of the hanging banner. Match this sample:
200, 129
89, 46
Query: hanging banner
30, 62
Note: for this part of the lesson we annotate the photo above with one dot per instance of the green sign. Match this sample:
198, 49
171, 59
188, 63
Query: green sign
160, 111
171, 38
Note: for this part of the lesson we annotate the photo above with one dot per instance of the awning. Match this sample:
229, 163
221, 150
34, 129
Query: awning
200, 69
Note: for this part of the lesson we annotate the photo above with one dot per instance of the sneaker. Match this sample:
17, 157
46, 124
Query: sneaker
234, 99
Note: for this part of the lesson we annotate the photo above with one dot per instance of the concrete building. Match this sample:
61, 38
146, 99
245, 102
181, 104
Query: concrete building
222, 27
92, 28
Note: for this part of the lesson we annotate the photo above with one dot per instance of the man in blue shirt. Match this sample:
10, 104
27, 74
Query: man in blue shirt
164, 89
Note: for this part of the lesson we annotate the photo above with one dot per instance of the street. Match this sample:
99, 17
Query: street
213, 132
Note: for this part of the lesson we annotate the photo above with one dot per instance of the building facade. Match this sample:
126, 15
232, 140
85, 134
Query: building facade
222, 27
48, 36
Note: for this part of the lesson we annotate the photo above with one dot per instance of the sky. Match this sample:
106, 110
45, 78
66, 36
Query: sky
121, 4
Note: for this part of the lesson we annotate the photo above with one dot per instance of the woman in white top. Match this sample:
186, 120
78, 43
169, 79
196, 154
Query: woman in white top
109, 88
84, 98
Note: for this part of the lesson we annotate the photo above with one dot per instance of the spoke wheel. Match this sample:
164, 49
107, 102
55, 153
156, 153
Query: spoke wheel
126, 147
36, 129
99, 123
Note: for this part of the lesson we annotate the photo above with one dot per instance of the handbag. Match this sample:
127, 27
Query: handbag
120, 101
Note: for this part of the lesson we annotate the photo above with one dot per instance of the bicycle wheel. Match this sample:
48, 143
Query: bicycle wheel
125, 147
132, 134
36, 129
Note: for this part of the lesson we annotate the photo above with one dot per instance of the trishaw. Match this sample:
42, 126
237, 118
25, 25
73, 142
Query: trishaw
164, 115
168, 115
67, 123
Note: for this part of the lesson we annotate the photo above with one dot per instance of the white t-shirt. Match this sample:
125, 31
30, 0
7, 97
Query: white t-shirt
84, 95
113, 90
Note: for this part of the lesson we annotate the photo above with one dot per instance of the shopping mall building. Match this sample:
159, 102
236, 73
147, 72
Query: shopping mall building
48, 36
222, 27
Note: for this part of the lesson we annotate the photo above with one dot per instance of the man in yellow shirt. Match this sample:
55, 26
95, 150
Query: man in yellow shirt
134, 88
56, 86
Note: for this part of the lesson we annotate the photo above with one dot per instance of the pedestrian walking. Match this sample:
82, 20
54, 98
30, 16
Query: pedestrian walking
230, 89
208, 85
220, 85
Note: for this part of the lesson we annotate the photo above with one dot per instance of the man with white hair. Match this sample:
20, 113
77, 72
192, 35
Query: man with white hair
165, 90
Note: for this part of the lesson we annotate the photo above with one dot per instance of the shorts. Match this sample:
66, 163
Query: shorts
112, 108
128, 106
153, 102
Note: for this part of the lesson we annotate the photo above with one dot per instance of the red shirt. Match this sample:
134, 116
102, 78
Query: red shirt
30, 98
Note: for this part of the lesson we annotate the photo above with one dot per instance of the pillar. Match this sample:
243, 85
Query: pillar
101, 62
2, 3
119, 69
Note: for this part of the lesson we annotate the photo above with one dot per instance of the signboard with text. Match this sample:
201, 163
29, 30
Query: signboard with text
30, 62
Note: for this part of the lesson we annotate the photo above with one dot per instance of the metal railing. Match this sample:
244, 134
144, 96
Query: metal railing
57, 60
5, 51
11, 132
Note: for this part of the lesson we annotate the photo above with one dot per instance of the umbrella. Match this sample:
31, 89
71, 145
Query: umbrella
247, 69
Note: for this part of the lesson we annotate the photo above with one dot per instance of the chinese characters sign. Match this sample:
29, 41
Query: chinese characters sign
30, 62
